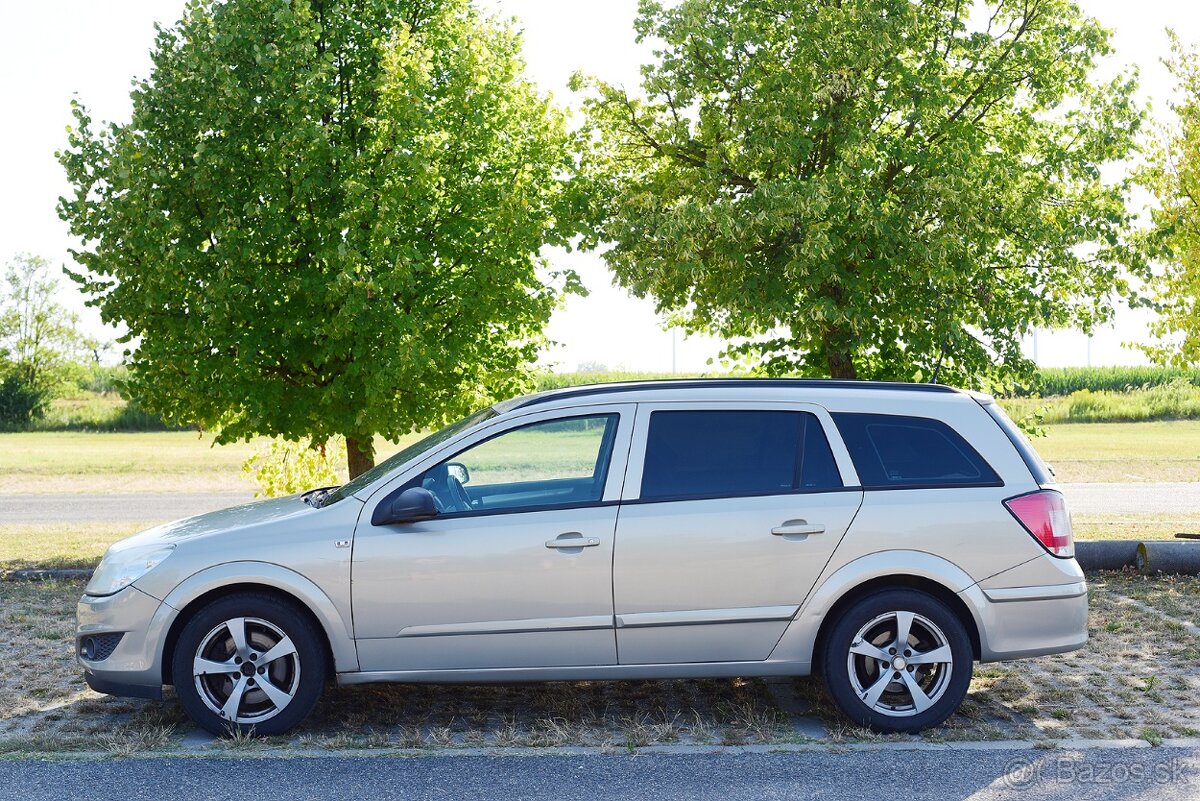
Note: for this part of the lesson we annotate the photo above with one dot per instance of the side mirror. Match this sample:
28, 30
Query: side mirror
415, 503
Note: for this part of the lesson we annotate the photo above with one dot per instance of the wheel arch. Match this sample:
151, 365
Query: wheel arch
228, 579
875, 572
894, 582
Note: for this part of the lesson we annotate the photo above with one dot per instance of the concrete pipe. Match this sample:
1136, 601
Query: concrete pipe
1167, 556
1106, 554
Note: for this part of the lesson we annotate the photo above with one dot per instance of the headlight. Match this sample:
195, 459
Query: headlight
121, 568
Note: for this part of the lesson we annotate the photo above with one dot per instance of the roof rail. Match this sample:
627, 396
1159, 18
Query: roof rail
710, 383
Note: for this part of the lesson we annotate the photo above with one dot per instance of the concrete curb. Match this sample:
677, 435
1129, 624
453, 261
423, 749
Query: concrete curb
202, 747
47, 574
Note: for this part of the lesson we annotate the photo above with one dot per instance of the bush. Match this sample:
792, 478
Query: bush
284, 467
1179, 400
104, 380
21, 403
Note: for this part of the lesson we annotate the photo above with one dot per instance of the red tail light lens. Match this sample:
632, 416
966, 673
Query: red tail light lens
1044, 515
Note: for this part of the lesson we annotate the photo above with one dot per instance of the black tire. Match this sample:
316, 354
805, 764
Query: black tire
858, 681
293, 681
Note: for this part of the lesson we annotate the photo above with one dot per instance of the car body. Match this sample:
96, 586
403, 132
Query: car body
664, 529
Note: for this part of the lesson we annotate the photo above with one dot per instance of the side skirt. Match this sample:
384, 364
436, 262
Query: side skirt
689, 670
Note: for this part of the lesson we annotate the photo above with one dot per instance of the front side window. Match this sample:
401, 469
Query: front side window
894, 451
553, 463
721, 454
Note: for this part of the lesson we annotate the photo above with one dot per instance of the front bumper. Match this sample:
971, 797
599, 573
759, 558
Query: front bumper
134, 666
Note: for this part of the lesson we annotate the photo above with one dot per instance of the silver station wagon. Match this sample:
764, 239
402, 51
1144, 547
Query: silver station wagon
885, 536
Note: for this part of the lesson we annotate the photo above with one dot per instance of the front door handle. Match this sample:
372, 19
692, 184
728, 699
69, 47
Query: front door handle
572, 539
798, 527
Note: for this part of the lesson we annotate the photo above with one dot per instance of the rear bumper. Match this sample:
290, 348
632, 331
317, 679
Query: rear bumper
1019, 622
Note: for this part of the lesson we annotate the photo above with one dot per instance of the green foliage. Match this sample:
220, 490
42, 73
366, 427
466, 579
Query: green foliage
1065, 380
39, 341
324, 218
103, 379
871, 188
20, 402
92, 412
1179, 400
1173, 175
283, 467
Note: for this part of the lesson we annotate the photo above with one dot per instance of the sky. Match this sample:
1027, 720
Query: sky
52, 50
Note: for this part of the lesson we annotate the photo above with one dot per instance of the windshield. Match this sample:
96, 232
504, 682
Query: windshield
400, 457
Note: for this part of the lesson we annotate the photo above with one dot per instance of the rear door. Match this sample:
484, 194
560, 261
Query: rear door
730, 513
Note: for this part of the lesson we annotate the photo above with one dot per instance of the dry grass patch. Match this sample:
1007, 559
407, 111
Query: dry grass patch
45, 545
1135, 680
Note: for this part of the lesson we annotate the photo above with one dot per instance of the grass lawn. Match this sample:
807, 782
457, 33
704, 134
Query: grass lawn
160, 461
178, 461
1166, 450
61, 545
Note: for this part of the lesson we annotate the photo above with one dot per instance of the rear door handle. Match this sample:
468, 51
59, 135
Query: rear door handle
798, 527
572, 539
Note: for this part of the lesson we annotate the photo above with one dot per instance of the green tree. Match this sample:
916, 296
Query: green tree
1173, 175
39, 337
869, 188
324, 217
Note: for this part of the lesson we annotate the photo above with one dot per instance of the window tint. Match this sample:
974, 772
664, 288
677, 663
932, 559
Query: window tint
895, 451
695, 454
551, 463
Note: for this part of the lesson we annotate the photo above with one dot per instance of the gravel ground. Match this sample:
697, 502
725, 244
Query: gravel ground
1134, 681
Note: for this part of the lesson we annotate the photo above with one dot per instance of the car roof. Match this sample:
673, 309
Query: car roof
712, 388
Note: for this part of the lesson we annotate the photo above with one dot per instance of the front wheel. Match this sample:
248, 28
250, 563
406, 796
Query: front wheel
898, 661
248, 662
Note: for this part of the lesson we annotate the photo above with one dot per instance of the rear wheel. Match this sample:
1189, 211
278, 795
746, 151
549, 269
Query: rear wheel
249, 662
898, 661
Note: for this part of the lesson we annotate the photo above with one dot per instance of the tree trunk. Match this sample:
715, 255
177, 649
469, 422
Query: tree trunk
837, 343
841, 364
839, 356
360, 456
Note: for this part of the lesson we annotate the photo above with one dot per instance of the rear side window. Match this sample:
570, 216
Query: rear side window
895, 452
721, 454
1042, 472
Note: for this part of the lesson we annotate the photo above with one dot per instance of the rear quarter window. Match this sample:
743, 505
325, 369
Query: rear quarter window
901, 452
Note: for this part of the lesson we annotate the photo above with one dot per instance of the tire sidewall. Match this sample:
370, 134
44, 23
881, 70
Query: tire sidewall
291, 620
837, 646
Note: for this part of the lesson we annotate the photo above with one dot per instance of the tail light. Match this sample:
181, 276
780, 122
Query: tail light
1044, 515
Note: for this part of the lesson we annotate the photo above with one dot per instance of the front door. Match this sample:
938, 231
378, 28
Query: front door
516, 570
730, 514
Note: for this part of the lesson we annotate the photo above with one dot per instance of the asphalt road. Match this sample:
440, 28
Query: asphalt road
144, 507
1088, 499
1098, 775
